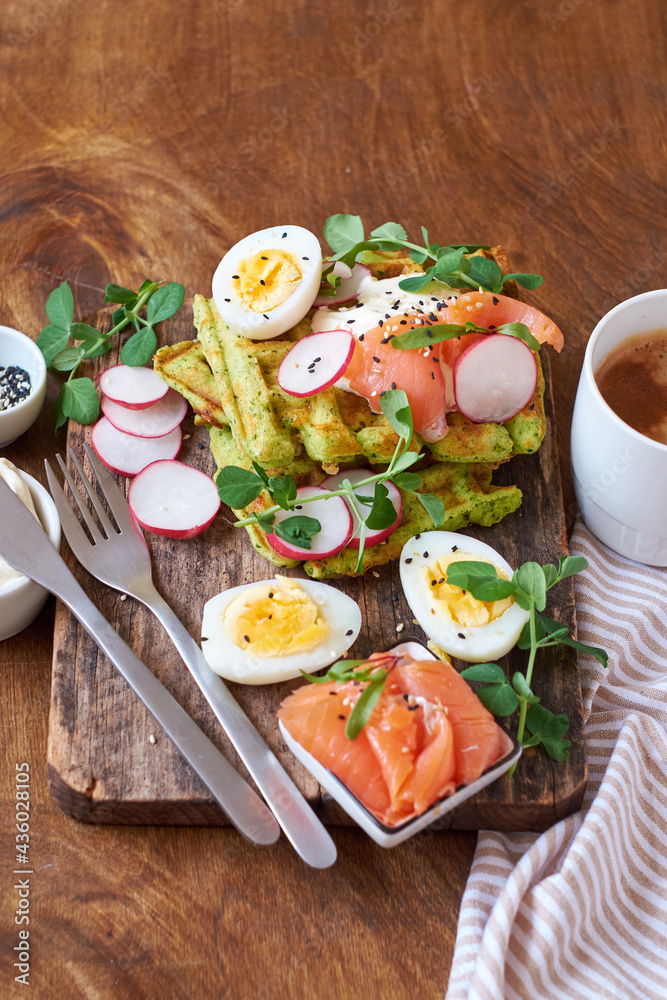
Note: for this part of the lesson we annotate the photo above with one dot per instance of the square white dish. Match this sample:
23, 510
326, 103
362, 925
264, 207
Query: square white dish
390, 836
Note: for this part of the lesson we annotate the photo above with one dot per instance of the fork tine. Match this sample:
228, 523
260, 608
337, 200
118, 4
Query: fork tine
74, 533
87, 485
113, 494
81, 504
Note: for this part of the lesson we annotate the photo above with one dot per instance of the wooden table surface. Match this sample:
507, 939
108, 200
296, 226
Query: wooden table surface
142, 140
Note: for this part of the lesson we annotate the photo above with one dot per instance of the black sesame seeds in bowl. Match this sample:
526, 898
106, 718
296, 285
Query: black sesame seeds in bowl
22, 384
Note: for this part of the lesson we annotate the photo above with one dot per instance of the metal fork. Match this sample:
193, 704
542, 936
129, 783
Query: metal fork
122, 561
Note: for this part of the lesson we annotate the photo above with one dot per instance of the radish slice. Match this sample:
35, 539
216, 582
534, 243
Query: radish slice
128, 454
373, 537
333, 515
134, 388
173, 499
347, 290
494, 379
154, 421
316, 362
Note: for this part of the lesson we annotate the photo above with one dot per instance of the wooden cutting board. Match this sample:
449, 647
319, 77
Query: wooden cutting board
103, 765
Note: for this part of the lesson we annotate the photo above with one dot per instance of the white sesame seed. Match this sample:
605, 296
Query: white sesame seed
469, 308
162, 507
186, 437
405, 749
123, 597
151, 738
376, 575
374, 392
478, 305
399, 628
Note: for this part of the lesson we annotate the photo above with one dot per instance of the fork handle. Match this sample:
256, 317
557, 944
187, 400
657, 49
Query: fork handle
234, 796
301, 826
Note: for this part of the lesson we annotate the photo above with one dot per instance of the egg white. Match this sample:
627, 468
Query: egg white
479, 643
258, 326
228, 660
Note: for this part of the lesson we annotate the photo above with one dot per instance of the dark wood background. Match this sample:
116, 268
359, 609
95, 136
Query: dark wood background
142, 140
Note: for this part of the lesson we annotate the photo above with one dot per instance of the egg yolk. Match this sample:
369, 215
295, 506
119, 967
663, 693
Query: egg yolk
275, 620
267, 279
459, 606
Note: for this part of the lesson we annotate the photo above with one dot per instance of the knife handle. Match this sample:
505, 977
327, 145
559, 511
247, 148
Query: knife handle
302, 828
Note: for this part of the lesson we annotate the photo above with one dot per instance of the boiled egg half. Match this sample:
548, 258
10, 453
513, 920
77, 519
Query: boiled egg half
268, 281
267, 632
456, 621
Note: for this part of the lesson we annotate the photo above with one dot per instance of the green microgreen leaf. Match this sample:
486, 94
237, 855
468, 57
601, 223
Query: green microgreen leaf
531, 586
60, 306
548, 729
434, 507
416, 282
419, 256
238, 487
365, 704
119, 295
571, 565
283, 490
338, 673
500, 699
395, 406
448, 263
521, 332
51, 341
388, 235
140, 348
484, 673
427, 336
486, 273
298, 530
67, 359
261, 473
404, 461
383, 512
164, 303
342, 232
529, 281
520, 685
408, 481
550, 574
84, 331
480, 579
78, 399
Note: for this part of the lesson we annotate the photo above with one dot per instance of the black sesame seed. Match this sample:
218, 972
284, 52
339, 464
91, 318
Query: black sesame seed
377, 360
384, 392
385, 340
342, 717
265, 316
261, 281
492, 326
333, 693
413, 708
299, 506
264, 258
271, 594
349, 631
283, 236
495, 301
460, 635
381, 322
425, 555
316, 360
433, 375
351, 321
361, 337
270, 617
247, 638
235, 276
204, 638
393, 385
433, 583
405, 697
455, 548
305, 258
408, 560
436, 360
441, 580
404, 322
394, 597
228, 300
359, 305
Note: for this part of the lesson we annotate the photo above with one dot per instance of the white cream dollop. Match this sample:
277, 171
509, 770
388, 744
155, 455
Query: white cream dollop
12, 477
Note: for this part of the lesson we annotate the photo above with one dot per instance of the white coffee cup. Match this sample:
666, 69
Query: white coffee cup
620, 476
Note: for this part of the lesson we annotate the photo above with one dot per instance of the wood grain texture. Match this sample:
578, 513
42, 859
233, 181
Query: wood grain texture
102, 765
145, 139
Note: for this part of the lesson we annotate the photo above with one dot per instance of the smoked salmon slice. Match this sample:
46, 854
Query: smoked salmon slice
426, 376
428, 734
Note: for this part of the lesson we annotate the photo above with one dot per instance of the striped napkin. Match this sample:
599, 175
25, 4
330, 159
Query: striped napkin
581, 910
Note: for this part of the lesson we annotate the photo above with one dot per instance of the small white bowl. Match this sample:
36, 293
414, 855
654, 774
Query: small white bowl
21, 600
390, 836
18, 349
